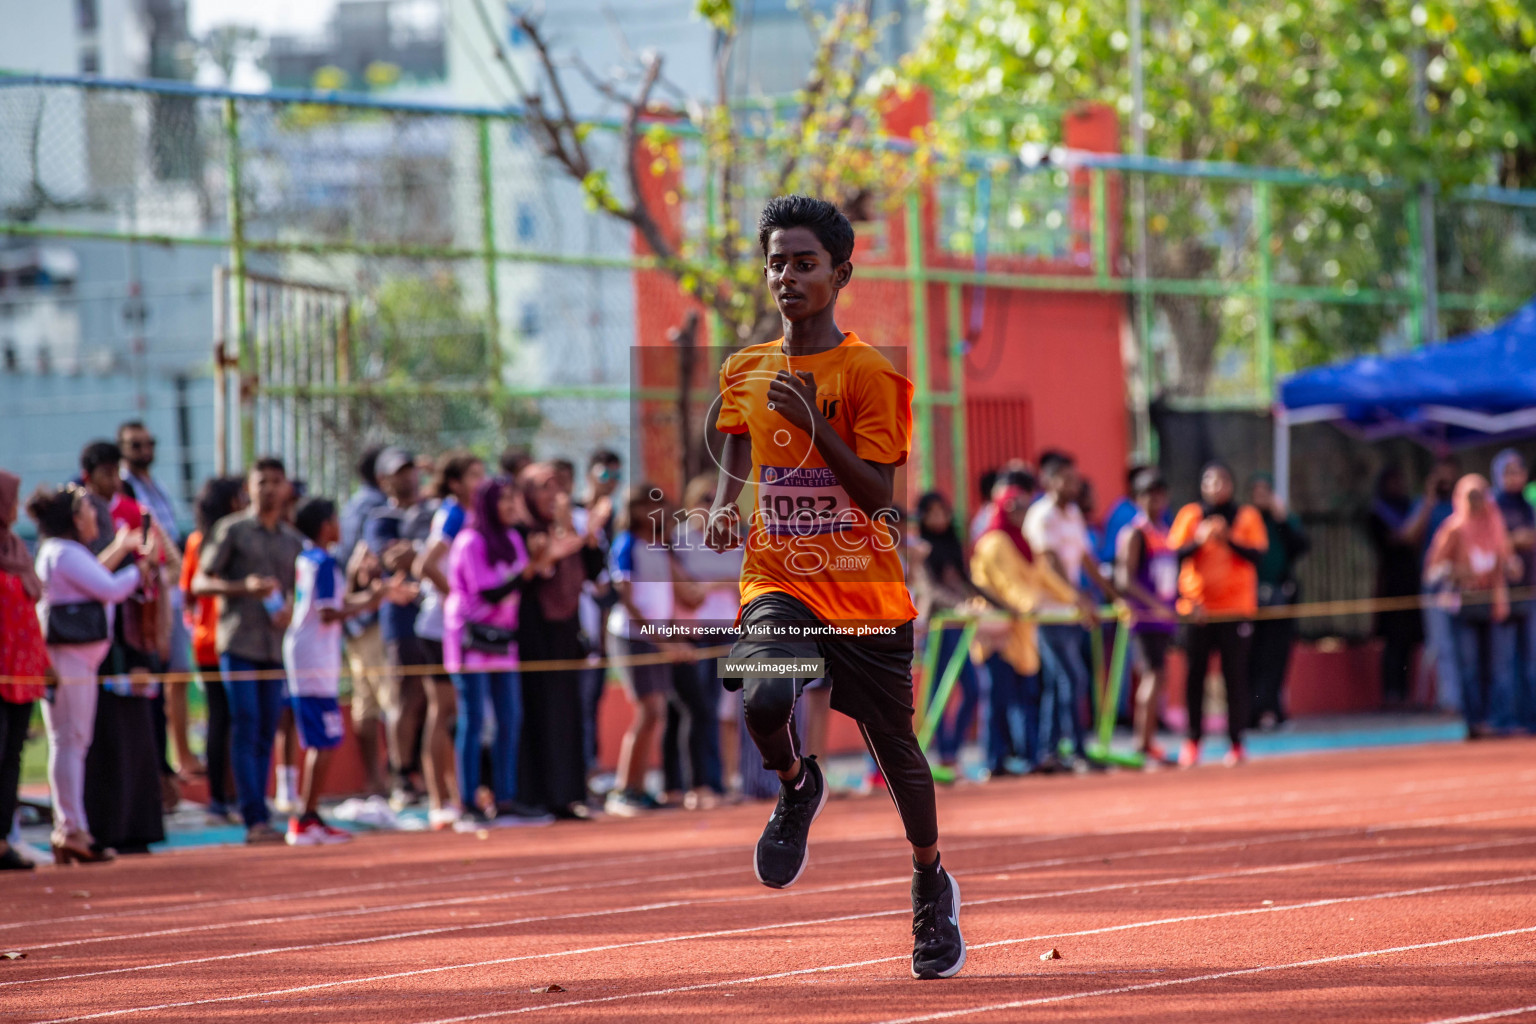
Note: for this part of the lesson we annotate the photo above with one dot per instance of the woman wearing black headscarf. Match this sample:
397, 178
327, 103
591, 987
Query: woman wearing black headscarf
942, 583
1396, 528
553, 767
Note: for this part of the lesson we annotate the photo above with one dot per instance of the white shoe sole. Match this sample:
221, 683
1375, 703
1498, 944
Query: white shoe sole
954, 893
511, 822
806, 860
301, 839
623, 810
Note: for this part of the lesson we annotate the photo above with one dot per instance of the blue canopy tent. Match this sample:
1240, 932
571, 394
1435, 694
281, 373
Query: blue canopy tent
1474, 389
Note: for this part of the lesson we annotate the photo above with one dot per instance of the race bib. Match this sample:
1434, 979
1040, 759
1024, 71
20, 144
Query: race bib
802, 502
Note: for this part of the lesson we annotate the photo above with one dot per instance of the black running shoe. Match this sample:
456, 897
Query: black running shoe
782, 852
938, 949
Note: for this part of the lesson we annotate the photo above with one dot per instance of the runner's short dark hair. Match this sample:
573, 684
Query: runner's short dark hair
604, 457
312, 517
269, 463
1147, 481
451, 469
99, 453
1023, 479
1053, 461
824, 220
514, 460
217, 500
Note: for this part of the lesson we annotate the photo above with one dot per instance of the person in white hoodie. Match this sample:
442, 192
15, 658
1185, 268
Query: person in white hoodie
79, 592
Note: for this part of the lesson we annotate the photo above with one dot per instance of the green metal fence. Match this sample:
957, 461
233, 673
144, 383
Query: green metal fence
488, 303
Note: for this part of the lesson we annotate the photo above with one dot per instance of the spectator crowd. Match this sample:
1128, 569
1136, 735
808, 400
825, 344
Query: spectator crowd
468, 608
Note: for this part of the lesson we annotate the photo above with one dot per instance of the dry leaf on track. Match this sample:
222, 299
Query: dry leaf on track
1051, 954
546, 988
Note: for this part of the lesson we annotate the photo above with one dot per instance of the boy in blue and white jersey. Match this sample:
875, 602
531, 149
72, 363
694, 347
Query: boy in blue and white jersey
312, 658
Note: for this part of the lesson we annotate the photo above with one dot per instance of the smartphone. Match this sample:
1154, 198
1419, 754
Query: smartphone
274, 601
148, 520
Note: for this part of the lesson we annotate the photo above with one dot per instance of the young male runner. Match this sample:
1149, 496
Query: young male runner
818, 422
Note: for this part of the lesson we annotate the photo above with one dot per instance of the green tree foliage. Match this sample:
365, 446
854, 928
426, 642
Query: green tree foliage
418, 339
821, 142
1327, 87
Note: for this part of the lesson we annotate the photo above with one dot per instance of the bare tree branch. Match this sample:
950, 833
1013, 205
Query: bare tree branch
823, 66
562, 125
609, 91
560, 135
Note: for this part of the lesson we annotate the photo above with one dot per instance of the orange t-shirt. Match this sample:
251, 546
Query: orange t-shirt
1215, 577
805, 537
205, 610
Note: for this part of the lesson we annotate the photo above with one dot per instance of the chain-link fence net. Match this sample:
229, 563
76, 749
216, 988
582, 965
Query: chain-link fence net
487, 305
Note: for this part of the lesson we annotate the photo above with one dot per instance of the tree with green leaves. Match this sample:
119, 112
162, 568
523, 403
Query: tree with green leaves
1436, 91
824, 143
415, 329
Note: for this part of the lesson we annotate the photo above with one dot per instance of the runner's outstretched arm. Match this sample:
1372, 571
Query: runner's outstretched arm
723, 531
735, 464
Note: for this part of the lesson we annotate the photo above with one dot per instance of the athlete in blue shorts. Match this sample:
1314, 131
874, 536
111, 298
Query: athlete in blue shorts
312, 657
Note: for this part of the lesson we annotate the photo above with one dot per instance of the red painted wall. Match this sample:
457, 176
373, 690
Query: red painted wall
1056, 352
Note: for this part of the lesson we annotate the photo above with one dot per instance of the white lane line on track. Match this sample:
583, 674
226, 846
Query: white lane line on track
481, 898
1267, 815
1186, 919
1491, 1015
499, 961
1181, 849
1214, 976
1287, 797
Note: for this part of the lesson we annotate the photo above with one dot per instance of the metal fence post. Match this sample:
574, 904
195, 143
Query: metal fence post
1264, 270
243, 355
957, 423
1099, 194
1144, 319
1417, 318
917, 280
1429, 270
220, 370
717, 340
488, 245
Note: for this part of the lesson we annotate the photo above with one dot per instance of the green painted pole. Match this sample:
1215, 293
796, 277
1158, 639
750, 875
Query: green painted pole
244, 354
717, 339
957, 422
1417, 317
488, 245
1110, 705
1100, 192
1144, 330
1096, 657
926, 682
922, 399
935, 707
1265, 271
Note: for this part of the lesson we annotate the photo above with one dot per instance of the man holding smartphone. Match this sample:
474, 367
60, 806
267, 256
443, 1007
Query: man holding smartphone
248, 561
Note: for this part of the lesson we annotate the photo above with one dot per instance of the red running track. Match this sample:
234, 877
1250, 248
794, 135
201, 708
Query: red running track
1370, 886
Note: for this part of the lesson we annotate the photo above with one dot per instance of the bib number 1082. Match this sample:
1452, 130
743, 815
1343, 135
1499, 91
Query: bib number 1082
810, 506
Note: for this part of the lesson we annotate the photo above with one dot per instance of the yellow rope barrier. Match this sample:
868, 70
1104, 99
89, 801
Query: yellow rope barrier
1313, 610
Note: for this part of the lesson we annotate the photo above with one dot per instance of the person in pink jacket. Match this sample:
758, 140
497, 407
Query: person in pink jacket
488, 568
